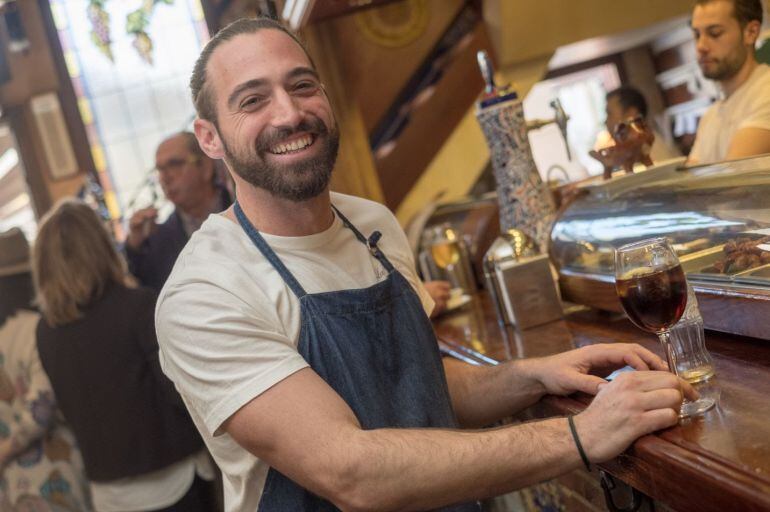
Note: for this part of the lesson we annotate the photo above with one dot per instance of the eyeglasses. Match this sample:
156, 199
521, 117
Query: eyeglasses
175, 164
632, 122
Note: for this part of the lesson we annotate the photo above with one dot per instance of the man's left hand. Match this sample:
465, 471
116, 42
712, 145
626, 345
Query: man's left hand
582, 369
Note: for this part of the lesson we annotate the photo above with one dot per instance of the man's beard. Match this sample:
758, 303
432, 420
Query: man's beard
729, 66
298, 181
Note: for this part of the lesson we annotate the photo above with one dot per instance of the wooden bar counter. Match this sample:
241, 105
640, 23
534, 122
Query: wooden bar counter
716, 462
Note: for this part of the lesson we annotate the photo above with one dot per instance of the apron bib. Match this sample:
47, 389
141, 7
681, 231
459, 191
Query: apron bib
376, 348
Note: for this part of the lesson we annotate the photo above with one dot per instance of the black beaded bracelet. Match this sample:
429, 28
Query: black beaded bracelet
577, 443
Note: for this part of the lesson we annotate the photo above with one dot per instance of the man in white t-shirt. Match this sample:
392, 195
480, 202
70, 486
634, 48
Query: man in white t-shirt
296, 330
738, 124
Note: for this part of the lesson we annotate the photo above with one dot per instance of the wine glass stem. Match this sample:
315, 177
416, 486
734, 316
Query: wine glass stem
665, 340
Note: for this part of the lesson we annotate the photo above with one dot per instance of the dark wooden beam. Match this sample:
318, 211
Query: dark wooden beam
69, 102
429, 106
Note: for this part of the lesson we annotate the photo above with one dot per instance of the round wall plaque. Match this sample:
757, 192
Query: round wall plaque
396, 24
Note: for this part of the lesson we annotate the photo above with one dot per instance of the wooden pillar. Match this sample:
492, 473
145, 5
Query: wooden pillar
36, 71
355, 172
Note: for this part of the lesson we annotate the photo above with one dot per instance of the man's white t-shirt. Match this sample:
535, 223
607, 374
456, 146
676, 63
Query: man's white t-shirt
747, 107
227, 323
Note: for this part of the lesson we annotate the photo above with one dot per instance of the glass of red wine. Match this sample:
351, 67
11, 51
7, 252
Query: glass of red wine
653, 291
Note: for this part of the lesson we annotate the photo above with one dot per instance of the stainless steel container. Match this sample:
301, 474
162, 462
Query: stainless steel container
520, 282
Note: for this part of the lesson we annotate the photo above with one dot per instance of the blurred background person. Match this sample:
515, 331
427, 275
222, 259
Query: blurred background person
440, 292
737, 125
189, 180
40, 465
97, 343
626, 103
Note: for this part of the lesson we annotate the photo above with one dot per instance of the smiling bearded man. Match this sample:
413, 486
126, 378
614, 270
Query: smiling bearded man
296, 330
296, 181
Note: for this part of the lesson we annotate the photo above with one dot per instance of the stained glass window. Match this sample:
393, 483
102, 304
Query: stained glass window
129, 105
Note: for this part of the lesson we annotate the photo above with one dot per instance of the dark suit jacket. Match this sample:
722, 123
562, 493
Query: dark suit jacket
153, 262
125, 413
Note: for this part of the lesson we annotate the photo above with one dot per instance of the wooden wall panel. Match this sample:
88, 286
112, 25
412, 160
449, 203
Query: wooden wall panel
523, 29
35, 72
433, 122
375, 74
32, 71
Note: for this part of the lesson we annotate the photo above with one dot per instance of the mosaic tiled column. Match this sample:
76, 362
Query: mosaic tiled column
525, 201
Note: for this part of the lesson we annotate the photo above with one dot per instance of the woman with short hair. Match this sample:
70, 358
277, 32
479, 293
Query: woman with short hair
97, 343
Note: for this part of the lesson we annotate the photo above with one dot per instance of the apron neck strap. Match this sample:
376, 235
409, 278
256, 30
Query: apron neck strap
370, 243
284, 272
268, 253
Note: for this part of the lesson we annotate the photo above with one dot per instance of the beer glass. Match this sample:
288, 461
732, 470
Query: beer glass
653, 291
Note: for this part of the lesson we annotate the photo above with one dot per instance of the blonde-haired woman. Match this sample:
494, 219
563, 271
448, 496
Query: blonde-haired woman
97, 343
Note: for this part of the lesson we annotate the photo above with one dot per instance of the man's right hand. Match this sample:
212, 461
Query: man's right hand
632, 405
141, 226
440, 292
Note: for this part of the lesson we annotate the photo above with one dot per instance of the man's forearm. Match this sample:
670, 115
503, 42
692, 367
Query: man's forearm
425, 469
482, 395
306, 431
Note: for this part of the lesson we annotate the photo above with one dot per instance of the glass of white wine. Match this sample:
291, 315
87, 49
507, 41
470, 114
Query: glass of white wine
445, 247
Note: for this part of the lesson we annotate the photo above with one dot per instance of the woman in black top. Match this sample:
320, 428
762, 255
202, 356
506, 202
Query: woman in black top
97, 343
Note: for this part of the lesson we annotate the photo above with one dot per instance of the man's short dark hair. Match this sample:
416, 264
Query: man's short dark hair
629, 97
744, 11
201, 93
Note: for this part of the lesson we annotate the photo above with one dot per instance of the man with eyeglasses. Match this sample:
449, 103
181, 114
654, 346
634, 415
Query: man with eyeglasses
188, 179
627, 103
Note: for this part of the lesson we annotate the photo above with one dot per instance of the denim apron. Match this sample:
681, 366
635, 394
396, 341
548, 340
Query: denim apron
376, 348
